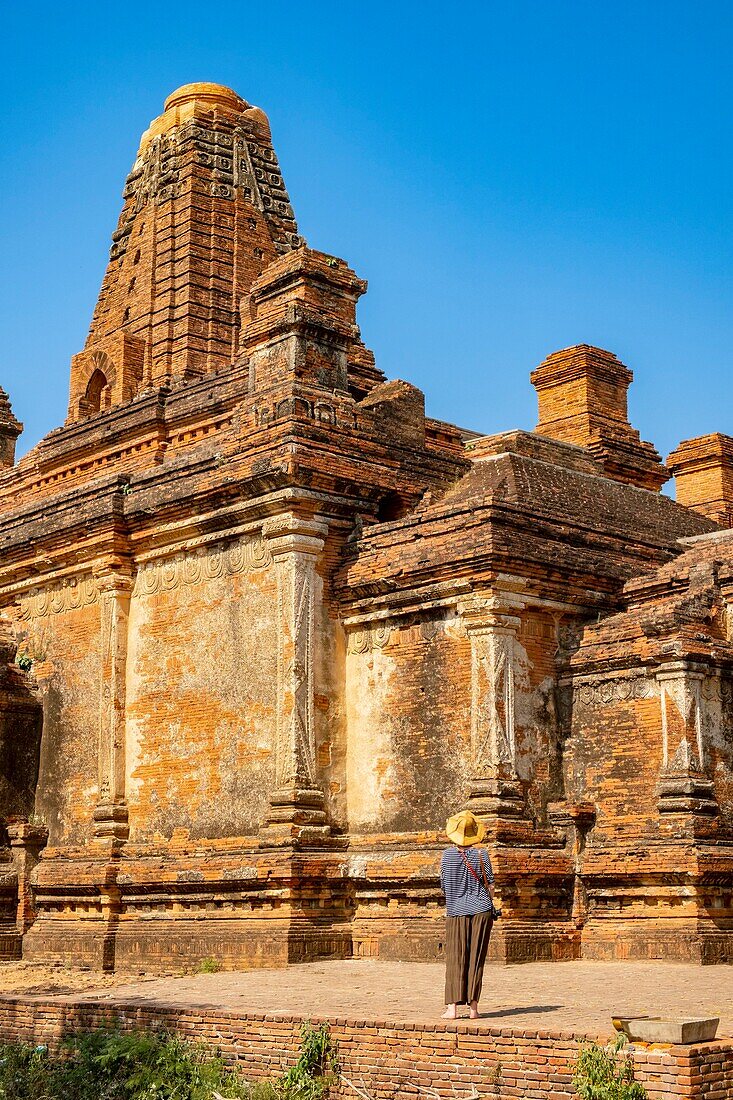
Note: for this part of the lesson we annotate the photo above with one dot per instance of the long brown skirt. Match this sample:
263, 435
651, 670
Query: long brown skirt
466, 944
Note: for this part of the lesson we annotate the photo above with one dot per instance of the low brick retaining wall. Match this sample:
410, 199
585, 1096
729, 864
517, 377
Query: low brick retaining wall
386, 1059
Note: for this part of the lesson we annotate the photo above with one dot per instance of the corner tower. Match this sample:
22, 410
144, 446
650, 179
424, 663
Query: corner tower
581, 394
205, 211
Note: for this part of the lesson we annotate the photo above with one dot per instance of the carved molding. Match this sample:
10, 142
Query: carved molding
601, 693
379, 636
683, 746
295, 749
492, 622
322, 411
201, 564
53, 599
158, 575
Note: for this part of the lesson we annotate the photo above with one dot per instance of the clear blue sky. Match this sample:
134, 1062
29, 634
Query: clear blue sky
511, 178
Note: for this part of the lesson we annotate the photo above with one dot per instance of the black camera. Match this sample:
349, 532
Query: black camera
495, 913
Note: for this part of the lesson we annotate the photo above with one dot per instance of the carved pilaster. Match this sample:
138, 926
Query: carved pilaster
110, 814
684, 786
297, 812
492, 624
26, 844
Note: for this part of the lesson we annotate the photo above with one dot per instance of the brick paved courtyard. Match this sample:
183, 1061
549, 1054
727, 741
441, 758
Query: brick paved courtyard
578, 997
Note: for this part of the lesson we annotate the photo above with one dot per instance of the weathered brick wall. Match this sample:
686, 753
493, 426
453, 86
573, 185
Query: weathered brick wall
59, 629
408, 700
201, 691
268, 601
613, 757
389, 1059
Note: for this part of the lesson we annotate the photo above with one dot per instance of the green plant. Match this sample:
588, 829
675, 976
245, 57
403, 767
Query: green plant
604, 1073
208, 966
24, 662
24, 1071
111, 1065
108, 1064
316, 1068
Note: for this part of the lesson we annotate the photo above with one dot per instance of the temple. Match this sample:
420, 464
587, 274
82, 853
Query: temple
265, 624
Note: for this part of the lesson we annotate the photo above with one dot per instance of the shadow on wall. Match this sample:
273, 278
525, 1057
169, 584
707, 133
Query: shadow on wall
21, 722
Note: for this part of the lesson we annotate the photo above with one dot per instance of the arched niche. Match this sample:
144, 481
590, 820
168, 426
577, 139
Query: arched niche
98, 390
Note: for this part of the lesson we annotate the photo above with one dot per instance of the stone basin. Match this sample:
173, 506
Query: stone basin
662, 1029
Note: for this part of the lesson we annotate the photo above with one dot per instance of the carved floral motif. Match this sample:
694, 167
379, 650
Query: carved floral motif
67, 595
295, 750
492, 700
201, 564
378, 636
599, 693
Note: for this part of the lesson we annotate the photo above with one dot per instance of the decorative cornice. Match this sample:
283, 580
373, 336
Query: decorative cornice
194, 566
70, 594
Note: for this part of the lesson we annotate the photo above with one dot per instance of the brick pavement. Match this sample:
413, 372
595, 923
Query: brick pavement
578, 996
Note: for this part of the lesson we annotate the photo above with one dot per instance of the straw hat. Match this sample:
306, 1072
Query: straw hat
464, 829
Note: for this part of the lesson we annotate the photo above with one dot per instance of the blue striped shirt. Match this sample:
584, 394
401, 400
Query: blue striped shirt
464, 895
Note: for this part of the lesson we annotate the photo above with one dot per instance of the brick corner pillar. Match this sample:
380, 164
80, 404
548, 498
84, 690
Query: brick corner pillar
110, 814
703, 475
492, 624
297, 815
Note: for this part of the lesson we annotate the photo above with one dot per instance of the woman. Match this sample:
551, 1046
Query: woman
467, 881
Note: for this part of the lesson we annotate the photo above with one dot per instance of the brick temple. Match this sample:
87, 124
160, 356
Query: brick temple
266, 624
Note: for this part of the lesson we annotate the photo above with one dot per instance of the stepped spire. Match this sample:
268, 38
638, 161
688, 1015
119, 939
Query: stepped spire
205, 211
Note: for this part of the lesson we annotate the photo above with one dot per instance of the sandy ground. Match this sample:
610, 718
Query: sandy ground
577, 996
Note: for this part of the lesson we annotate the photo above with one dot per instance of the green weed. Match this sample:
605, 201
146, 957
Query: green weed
107, 1064
208, 966
604, 1073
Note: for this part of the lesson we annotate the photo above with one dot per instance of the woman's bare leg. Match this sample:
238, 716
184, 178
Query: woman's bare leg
473, 1010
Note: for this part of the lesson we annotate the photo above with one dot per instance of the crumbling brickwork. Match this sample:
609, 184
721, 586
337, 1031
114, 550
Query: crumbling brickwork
275, 623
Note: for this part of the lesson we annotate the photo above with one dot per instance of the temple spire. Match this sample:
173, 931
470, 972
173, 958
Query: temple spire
205, 211
10, 429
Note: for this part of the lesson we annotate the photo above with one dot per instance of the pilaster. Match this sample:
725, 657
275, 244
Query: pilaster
110, 813
26, 844
492, 624
684, 786
297, 814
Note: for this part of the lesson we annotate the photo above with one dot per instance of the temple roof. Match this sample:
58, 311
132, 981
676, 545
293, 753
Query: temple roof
536, 507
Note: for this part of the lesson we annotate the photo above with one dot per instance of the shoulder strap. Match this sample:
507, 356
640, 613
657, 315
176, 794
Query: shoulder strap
466, 860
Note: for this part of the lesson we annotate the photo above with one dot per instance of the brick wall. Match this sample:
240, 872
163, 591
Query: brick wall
388, 1059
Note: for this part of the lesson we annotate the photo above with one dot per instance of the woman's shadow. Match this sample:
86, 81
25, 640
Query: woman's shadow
525, 1011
